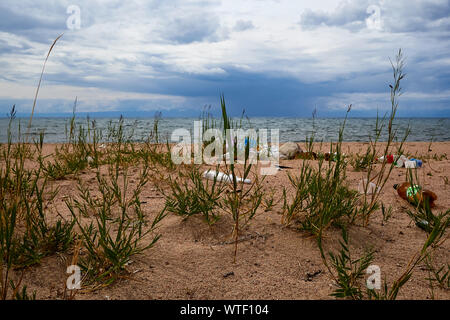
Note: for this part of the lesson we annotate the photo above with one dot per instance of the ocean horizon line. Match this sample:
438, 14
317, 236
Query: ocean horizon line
134, 116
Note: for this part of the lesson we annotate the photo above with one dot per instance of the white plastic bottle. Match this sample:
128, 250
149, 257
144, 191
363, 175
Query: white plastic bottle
220, 176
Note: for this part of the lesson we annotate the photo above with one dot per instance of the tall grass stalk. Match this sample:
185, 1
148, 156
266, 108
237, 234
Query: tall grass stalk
120, 224
380, 178
20, 199
321, 196
241, 202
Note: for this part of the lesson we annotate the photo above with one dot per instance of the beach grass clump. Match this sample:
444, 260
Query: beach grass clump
155, 152
269, 201
40, 237
321, 196
386, 213
437, 274
22, 210
425, 219
159, 156
362, 162
195, 196
192, 194
77, 154
241, 201
121, 149
319, 201
347, 272
26, 236
434, 239
379, 174
120, 226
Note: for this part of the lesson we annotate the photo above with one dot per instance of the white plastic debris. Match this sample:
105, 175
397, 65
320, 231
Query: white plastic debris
371, 188
220, 176
410, 164
399, 163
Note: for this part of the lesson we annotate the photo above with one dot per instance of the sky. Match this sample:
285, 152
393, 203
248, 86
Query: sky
268, 57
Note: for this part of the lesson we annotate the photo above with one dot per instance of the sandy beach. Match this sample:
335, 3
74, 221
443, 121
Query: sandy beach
195, 261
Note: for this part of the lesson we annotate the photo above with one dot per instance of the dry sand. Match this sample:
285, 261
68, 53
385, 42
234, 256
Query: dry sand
195, 261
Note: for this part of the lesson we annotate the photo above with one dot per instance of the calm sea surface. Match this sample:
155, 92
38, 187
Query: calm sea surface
291, 129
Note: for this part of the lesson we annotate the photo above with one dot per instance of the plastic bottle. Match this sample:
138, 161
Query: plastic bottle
414, 194
220, 176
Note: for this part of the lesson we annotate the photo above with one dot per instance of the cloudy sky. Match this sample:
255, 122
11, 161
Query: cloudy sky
269, 57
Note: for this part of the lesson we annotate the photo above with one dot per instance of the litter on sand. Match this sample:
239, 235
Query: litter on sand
221, 176
371, 188
401, 161
415, 194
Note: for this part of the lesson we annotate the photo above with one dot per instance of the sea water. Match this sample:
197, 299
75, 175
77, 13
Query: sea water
290, 129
